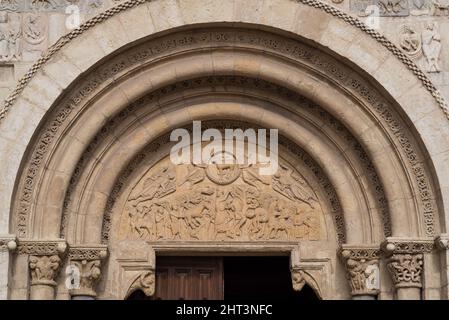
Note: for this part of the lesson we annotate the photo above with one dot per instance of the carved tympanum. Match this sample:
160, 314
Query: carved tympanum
223, 203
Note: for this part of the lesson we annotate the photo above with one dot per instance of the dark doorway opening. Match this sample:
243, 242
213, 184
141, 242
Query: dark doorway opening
229, 278
260, 278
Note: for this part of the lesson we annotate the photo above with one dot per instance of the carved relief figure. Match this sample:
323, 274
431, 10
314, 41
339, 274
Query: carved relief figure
431, 42
203, 206
34, 29
158, 185
9, 5
410, 41
393, 7
9, 38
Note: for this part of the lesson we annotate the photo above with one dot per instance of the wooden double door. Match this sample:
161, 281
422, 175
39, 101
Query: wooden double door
228, 278
189, 278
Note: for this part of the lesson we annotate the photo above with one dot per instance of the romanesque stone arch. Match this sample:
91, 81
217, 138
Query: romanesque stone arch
363, 128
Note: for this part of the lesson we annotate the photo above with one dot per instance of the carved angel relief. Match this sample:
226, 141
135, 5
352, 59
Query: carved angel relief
221, 203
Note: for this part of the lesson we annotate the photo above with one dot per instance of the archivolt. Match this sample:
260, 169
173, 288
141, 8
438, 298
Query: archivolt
293, 65
234, 85
9, 101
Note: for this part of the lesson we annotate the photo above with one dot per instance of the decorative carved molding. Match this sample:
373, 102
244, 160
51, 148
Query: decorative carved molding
298, 51
431, 46
42, 247
362, 268
43, 5
421, 7
11, 5
222, 80
406, 270
410, 41
312, 3
86, 260
8, 243
88, 252
393, 8
407, 246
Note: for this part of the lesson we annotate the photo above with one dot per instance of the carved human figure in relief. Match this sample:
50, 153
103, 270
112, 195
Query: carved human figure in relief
292, 186
158, 185
9, 38
431, 42
190, 203
410, 41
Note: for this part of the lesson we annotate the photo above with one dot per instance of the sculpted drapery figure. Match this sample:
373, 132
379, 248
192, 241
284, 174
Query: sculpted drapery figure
189, 202
431, 42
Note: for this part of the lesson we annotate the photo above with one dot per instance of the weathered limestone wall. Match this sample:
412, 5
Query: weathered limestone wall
26, 34
29, 27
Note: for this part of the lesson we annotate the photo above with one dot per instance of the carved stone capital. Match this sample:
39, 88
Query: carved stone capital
362, 268
44, 269
406, 260
85, 271
442, 241
44, 259
406, 270
8, 243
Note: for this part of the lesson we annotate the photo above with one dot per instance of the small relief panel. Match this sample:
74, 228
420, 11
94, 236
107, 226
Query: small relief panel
10, 37
35, 34
385, 8
221, 203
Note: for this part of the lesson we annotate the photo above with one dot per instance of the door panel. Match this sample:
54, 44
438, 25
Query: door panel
189, 278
